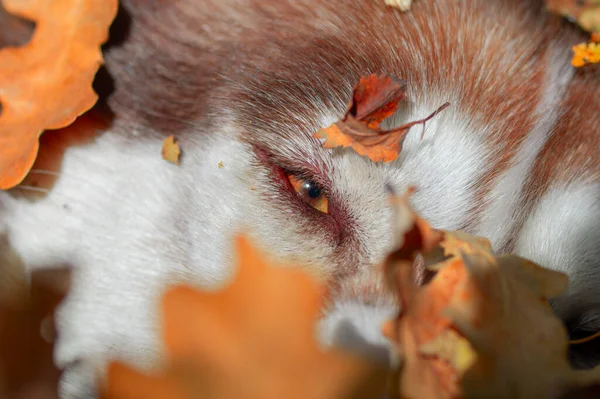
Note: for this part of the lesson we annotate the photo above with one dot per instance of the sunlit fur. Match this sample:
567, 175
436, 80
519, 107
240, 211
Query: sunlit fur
245, 83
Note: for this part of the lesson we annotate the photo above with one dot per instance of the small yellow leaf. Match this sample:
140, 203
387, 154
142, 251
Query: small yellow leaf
170, 150
585, 54
402, 5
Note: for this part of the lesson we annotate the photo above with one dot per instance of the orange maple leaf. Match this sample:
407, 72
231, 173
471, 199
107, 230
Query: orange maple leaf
46, 84
374, 99
253, 339
482, 327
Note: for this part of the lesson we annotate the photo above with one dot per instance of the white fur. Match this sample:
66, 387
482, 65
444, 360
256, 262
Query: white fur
124, 229
444, 164
563, 233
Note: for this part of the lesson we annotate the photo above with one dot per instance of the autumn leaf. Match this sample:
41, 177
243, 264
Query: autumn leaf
253, 339
47, 83
482, 327
374, 99
586, 13
402, 5
428, 346
27, 304
170, 150
586, 53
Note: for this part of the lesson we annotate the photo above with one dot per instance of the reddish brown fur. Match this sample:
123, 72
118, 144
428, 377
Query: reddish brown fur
184, 54
264, 57
573, 150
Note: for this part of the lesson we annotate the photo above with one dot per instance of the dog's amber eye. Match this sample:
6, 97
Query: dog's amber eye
310, 192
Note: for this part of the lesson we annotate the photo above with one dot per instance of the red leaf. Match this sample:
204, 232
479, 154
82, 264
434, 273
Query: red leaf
375, 98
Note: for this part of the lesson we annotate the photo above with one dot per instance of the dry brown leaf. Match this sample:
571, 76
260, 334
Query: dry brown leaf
26, 329
253, 339
420, 324
482, 327
402, 5
170, 150
374, 99
47, 83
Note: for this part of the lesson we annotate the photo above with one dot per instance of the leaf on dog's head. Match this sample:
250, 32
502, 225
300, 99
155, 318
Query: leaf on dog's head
253, 339
170, 150
374, 99
402, 5
47, 83
585, 54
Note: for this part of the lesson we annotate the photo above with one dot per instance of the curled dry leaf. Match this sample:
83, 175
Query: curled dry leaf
482, 327
170, 150
374, 99
46, 84
429, 348
253, 339
402, 5
585, 12
26, 328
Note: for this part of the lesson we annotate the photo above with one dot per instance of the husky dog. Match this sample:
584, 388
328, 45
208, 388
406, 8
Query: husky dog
244, 85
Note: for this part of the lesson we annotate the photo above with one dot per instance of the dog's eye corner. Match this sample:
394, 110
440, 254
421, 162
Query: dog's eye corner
310, 192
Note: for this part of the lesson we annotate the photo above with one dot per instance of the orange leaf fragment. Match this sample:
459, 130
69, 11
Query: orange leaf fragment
374, 99
46, 84
585, 54
482, 327
170, 150
421, 332
402, 5
253, 339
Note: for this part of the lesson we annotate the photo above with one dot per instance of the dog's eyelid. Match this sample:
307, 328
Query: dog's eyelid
301, 169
